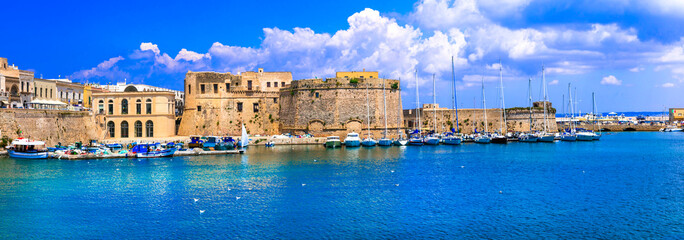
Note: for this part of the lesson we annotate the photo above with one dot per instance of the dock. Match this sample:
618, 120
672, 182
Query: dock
197, 152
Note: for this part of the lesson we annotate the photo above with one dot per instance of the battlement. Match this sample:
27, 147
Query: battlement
342, 83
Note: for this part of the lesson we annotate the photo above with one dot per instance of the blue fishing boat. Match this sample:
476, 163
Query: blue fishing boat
114, 147
195, 142
451, 139
27, 149
226, 143
152, 151
210, 144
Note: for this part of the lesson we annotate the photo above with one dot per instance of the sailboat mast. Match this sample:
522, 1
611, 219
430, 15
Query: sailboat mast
399, 115
529, 93
434, 103
384, 104
484, 106
503, 129
418, 104
572, 112
593, 110
453, 94
368, 110
544, 102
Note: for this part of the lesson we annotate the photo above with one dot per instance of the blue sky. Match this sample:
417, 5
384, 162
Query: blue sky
631, 53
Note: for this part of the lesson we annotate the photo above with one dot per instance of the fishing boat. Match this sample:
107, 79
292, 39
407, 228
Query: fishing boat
333, 142
27, 149
384, 141
433, 138
570, 135
528, 136
352, 140
210, 144
152, 151
195, 141
368, 141
452, 138
483, 137
225, 143
544, 135
500, 137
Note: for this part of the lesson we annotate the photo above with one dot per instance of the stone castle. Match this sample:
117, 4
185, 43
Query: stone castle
337, 106
219, 103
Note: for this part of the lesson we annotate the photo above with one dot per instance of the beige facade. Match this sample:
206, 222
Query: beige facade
88, 91
139, 115
69, 92
45, 95
337, 106
219, 103
16, 84
361, 75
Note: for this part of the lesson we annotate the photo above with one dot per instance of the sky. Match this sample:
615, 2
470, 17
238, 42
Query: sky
629, 53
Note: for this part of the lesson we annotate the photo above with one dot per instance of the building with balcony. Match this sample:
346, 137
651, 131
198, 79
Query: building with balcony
15, 85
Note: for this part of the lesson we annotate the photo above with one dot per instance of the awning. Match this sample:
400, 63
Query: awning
47, 102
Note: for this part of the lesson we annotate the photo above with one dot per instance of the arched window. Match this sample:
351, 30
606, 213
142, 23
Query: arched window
110, 128
149, 129
124, 129
124, 106
138, 106
100, 107
148, 106
138, 129
110, 108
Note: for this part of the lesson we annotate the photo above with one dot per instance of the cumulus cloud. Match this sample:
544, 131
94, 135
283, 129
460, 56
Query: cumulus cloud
554, 82
611, 80
667, 85
106, 69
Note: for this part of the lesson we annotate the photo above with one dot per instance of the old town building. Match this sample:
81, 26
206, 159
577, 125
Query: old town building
135, 114
15, 85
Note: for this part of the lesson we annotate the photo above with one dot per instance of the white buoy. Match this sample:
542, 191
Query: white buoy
303, 184
201, 211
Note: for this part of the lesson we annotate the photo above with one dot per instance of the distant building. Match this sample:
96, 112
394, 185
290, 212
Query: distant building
88, 91
361, 75
15, 85
218, 103
135, 114
676, 114
46, 95
124, 87
69, 92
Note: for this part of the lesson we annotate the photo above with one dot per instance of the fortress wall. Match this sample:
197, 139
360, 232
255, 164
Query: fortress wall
51, 126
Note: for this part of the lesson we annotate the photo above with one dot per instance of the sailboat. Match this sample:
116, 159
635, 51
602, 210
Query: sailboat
368, 141
244, 138
384, 141
529, 136
501, 136
570, 136
451, 138
593, 101
401, 141
589, 135
483, 137
417, 140
545, 136
432, 139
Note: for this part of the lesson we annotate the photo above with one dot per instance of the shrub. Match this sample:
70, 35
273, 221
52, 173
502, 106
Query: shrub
395, 85
354, 80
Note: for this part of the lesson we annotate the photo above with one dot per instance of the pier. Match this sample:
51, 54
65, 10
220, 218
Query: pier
616, 127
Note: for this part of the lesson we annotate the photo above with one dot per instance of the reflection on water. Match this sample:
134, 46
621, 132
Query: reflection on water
627, 185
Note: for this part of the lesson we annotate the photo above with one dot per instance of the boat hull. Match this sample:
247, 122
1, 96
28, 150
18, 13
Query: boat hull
352, 143
499, 140
483, 140
547, 138
333, 144
527, 138
400, 142
416, 142
597, 137
585, 137
385, 142
368, 143
452, 141
432, 141
156, 154
568, 138
24, 155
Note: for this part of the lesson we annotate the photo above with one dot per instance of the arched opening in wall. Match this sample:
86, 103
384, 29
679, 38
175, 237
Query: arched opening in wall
130, 89
138, 106
14, 91
149, 128
354, 126
124, 129
629, 129
605, 129
110, 108
316, 127
138, 128
148, 106
110, 129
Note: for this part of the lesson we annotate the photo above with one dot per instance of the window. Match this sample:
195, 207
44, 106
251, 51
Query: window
149, 128
371, 77
41, 92
124, 129
50, 93
138, 107
239, 107
110, 109
275, 84
249, 85
256, 107
189, 89
227, 87
202, 88
101, 106
124, 106
317, 95
215, 88
110, 129
148, 106
268, 84
275, 100
282, 84
138, 129
199, 108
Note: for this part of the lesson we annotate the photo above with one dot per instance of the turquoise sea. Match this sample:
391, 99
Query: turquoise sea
628, 185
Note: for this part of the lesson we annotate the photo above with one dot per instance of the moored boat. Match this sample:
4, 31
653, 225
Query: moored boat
585, 136
385, 142
27, 149
498, 138
195, 141
333, 142
483, 138
527, 137
352, 140
431, 140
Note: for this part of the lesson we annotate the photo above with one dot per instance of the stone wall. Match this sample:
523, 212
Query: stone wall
337, 106
517, 119
51, 126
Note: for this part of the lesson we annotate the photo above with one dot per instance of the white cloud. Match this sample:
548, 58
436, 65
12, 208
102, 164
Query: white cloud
149, 46
667, 85
106, 69
611, 80
554, 82
636, 69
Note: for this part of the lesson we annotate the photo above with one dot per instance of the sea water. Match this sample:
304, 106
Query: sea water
627, 185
